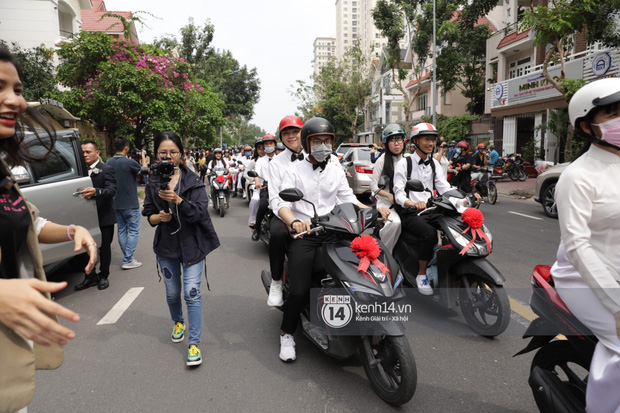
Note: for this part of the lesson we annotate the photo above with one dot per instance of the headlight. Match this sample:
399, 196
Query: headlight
361, 293
461, 204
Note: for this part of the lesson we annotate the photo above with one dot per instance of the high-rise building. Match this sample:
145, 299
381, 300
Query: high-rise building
354, 24
324, 50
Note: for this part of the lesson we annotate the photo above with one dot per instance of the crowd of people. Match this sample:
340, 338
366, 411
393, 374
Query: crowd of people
300, 156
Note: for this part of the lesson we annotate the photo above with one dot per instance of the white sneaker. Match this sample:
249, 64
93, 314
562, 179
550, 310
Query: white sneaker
133, 264
275, 294
287, 348
423, 286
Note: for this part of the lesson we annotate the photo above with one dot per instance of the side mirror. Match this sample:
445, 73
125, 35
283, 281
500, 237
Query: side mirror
252, 174
414, 185
291, 195
21, 175
384, 182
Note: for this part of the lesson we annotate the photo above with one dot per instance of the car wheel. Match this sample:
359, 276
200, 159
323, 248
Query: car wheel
548, 201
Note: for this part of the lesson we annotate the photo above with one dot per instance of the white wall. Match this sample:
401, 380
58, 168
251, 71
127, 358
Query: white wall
29, 22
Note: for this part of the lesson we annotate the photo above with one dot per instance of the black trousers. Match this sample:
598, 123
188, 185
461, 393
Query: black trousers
301, 265
263, 206
277, 247
105, 252
421, 233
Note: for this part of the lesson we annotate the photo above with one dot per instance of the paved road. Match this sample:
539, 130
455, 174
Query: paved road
132, 366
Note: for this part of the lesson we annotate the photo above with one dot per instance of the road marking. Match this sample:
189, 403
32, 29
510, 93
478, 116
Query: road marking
523, 215
121, 306
523, 311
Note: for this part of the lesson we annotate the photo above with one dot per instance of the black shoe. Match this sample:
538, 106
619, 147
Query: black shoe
89, 281
234, 194
255, 236
103, 283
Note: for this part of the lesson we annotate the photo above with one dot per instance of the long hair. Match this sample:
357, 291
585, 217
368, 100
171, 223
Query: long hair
388, 164
32, 121
168, 136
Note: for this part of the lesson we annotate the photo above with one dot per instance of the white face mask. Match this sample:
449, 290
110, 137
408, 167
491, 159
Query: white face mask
610, 131
270, 149
321, 152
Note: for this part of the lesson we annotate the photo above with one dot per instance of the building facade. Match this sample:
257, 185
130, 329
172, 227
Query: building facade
519, 97
324, 51
354, 24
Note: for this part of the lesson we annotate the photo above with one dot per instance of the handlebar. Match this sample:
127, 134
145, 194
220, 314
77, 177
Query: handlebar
316, 229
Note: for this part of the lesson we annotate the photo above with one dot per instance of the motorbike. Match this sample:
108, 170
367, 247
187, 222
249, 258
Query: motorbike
514, 168
482, 183
220, 190
559, 370
265, 232
458, 266
384, 349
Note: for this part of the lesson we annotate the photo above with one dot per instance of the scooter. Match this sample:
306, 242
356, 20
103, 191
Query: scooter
383, 347
458, 266
265, 232
220, 190
484, 185
559, 370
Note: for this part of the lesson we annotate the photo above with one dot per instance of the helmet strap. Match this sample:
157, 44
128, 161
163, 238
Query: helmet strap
595, 139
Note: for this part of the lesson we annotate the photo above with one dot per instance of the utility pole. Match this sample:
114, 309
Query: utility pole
434, 65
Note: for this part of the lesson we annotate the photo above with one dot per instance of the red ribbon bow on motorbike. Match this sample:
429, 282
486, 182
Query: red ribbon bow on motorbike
220, 179
474, 219
366, 248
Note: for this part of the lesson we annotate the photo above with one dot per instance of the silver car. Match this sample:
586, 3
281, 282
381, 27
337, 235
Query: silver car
356, 161
52, 186
545, 189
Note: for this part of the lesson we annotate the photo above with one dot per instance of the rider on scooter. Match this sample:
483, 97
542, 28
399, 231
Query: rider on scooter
323, 183
423, 167
262, 169
290, 135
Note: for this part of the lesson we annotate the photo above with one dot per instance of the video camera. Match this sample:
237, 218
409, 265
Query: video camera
161, 172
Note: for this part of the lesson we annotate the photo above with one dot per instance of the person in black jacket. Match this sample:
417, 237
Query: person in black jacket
103, 191
183, 238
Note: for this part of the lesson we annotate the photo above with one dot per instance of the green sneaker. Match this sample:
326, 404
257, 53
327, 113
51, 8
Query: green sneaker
193, 356
178, 332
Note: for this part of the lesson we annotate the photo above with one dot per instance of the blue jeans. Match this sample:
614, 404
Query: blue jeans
171, 268
128, 221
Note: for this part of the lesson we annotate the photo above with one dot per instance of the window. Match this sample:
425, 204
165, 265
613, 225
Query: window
354, 29
346, 41
422, 102
354, 23
520, 67
388, 112
354, 16
355, 35
378, 45
376, 35
354, 10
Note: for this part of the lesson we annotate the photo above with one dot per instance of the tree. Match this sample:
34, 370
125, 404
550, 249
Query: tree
135, 89
454, 128
37, 70
303, 93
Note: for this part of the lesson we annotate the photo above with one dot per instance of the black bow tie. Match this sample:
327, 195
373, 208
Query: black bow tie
297, 156
320, 164
425, 162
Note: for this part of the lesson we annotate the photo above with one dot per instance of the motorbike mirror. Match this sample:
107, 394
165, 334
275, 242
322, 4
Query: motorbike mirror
291, 195
252, 174
414, 185
384, 182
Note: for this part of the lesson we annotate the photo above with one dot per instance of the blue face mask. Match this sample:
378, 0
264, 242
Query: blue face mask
247, 153
458, 151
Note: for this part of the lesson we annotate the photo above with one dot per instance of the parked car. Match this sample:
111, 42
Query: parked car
53, 187
545, 189
344, 148
357, 163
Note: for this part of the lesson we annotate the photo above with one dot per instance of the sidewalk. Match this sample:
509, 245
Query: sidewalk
516, 188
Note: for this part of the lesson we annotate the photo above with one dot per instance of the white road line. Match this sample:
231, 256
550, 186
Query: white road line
121, 306
523, 215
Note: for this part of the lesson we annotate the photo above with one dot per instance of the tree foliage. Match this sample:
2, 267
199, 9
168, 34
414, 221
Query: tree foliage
454, 128
127, 88
37, 70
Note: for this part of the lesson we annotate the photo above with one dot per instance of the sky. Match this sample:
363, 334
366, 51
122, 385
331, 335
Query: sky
274, 36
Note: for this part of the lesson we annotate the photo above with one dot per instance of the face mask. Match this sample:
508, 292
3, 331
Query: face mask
458, 151
270, 149
610, 131
247, 154
321, 152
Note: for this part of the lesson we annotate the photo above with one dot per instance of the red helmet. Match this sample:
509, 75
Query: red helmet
268, 138
247, 148
289, 121
481, 147
463, 144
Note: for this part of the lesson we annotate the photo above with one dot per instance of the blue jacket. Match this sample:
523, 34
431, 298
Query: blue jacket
196, 238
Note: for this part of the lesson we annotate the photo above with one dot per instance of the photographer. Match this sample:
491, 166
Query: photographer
176, 203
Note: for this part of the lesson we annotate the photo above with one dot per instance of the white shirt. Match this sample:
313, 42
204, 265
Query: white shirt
324, 188
588, 201
216, 164
277, 167
262, 168
376, 174
424, 173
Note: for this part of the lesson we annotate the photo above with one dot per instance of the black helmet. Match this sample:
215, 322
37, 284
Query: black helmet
315, 126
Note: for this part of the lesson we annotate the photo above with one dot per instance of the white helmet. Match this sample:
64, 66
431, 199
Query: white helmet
423, 129
598, 93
